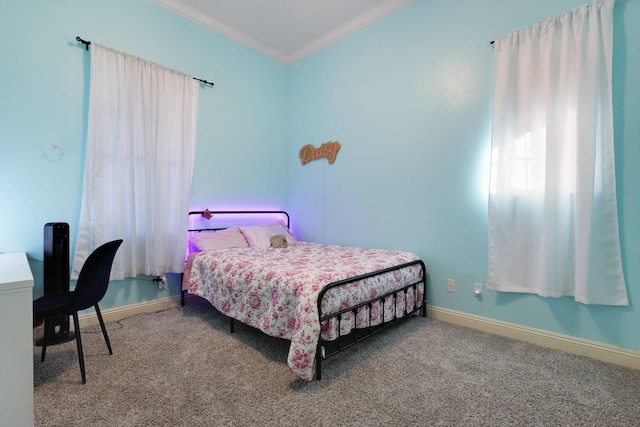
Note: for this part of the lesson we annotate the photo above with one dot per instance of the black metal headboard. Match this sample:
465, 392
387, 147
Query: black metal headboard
208, 214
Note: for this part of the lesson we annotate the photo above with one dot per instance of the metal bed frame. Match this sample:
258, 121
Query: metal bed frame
329, 348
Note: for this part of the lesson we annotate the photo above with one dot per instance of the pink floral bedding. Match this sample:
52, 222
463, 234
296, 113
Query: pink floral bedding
276, 290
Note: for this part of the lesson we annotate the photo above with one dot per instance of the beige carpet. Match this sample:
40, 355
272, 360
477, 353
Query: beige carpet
182, 367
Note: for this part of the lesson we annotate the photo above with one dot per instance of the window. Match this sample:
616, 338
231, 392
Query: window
553, 226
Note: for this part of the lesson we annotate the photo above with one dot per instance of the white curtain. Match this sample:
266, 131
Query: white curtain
553, 225
139, 164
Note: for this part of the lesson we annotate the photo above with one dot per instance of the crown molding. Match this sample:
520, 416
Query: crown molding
347, 28
332, 36
220, 28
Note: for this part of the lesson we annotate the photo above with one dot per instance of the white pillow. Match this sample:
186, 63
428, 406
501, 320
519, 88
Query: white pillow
228, 238
258, 235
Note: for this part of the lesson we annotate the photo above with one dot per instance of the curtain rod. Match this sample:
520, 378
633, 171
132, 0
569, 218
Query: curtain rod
86, 44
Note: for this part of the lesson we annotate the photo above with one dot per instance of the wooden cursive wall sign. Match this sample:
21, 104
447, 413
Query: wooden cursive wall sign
328, 150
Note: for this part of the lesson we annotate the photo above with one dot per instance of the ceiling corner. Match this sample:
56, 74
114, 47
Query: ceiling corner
347, 28
332, 35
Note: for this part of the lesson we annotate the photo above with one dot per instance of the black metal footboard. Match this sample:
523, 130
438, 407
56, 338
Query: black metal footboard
330, 348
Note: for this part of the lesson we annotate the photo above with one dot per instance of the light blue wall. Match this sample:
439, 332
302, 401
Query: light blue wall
241, 152
409, 99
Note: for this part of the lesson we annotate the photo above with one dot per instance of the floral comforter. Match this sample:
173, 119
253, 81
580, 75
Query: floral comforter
276, 290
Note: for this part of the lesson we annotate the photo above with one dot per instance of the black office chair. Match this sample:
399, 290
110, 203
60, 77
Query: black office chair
90, 289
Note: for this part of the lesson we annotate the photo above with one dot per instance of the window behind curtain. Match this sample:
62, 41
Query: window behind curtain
553, 225
139, 164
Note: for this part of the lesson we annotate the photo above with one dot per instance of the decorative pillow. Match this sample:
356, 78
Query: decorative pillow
228, 238
258, 236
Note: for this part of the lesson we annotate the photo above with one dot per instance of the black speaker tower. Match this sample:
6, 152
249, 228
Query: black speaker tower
56, 275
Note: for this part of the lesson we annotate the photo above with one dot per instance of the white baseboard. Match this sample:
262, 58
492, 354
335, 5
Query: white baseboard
119, 313
604, 352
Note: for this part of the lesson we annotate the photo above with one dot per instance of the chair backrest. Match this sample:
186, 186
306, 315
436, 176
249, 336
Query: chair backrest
94, 276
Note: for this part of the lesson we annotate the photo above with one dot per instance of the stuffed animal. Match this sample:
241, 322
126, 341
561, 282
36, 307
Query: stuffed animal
278, 241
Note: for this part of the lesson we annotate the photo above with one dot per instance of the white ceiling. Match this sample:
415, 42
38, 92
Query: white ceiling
286, 30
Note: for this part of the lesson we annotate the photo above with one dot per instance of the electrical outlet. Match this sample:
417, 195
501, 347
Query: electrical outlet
451, 285
477, 290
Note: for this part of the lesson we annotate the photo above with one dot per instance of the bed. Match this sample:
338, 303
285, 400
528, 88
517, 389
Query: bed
322, 298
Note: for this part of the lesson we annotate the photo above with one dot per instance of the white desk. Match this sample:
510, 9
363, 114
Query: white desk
16, 341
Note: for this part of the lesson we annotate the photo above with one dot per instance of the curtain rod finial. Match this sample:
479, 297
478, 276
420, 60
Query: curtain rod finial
84, 42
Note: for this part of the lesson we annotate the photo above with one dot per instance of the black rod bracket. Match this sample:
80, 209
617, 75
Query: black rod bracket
203, 81
84, 42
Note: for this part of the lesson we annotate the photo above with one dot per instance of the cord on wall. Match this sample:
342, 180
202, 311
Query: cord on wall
324, 205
